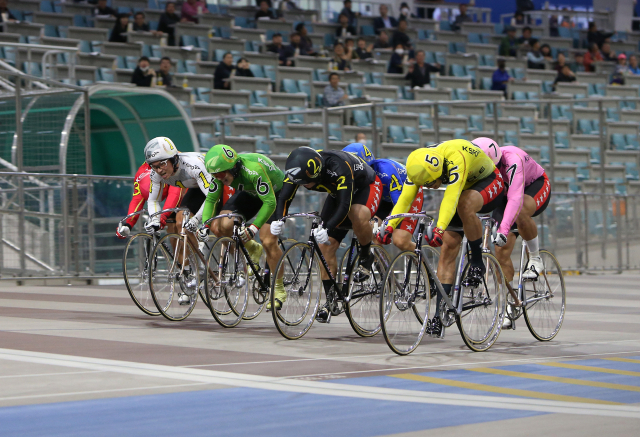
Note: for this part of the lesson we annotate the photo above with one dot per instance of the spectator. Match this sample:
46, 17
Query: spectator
383, 41
264, 13
306, 45
578, 63
277, 48
167, 22
461, 18
419, 71
102, 10
553, 26
405, 12
346, 10
139, 24
223, 73
340, 59
607, 54
398, 59
5, 14
119, 32
566, 21
594, 36
565, 75
384, 21
535, 60
363, 51
545, 49
518, 19
164, 74
593, 55
292, 50
509, 44
501, 78
526, 37
622, 69
242, 68
345, 29
361, 138
260, 1
560, 63
143, 75
400, 36
349, 48
525, 6
633, 65
333, 95
191, 9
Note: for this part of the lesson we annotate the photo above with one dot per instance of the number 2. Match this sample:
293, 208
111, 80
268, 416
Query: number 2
341, 185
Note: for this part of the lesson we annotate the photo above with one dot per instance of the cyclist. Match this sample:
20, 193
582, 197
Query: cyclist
354, 195
257, 181
528, 194
392, 175
184, 170
474, 185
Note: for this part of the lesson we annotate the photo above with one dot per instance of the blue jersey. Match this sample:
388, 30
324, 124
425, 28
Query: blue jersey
392, 175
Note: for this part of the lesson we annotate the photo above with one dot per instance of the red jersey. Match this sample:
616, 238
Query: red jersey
171, 195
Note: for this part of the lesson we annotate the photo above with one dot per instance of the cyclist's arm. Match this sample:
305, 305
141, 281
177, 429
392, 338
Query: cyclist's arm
136, 204
213, 197
344, 194
515, 194
156, 186
173, 200
266, 193
395, 187
457, 179
204, 180
287, 194
404, 201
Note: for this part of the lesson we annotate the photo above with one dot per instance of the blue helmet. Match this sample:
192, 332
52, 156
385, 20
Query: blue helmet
361, 151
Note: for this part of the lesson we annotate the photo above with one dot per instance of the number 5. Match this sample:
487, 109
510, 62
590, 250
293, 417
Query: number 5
433, 160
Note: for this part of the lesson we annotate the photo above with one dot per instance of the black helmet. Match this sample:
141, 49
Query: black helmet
303, 166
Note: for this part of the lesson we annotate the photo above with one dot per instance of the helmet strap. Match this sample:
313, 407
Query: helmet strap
235, 170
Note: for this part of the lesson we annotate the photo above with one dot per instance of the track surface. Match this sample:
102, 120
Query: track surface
85, 361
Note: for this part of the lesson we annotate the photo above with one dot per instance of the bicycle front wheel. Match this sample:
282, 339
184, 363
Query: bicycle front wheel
483, 307
227, 284
544, 312
404, 308
299, 270
258, 297
174, 277
135, 271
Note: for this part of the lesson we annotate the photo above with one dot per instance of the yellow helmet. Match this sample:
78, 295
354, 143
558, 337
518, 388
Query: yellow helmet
424, 166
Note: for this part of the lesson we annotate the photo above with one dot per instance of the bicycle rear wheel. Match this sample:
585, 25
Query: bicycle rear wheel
300, 271
169, 281
227, 284
545, 314
404, 308
135, 271
483, 307
363, 304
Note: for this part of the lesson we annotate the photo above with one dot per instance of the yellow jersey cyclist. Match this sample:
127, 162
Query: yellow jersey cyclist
474, 185
354, 191
257, 181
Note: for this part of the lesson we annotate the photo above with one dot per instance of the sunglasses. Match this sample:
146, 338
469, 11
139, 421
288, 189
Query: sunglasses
160, 164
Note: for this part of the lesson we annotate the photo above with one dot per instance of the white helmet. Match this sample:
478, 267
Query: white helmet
159, 149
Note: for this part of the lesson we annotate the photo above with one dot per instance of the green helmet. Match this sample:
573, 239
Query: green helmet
220, 158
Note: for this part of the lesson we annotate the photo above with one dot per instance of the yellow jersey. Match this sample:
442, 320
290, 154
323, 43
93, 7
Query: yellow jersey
463, 165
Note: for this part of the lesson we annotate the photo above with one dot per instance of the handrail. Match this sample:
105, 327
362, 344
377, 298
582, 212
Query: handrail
39, 46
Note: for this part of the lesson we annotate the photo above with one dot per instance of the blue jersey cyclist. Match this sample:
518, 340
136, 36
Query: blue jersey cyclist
393, 175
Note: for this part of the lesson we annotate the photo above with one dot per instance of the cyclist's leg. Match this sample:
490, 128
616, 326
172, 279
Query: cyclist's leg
536, 200
365, 203
404, 231
503, 255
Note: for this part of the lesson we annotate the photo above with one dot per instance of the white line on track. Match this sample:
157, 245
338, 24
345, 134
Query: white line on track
32, 375
321, 388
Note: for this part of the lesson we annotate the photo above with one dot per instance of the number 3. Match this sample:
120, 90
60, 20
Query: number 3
433, 160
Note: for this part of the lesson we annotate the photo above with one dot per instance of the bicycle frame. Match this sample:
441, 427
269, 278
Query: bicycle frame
521, 295
183, 235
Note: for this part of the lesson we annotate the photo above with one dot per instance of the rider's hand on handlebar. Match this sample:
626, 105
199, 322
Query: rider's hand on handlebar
436, 238
153, 225
500, 239
203, 235
321, 235
384, 235
247, 234
123, 231
277, 227
193, 224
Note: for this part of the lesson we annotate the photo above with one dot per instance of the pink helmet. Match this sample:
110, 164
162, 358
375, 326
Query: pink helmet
490, 148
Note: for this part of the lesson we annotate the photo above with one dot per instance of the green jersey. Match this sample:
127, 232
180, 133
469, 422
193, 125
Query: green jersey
258, 176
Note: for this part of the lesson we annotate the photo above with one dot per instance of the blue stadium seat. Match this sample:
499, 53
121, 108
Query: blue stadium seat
519, 95
277, 129
203, 94
618, 141
412, 134
362, 117
237, 108
489, 60
207, 141
304, 87
445, 25
376, 78
461, 94
335, 133
429, 57
319, 100
259, 98
511, 137
476, 122
296, 118
561, 140
355, 89
458, 70
632, 142
367, 30
486, 83
461, 47
406, 93
270, 72
425, 121
586, 127
440, 58
527, 125
289, 86
547, 86
257, 70
474, 38
564, 32
532, 95
396, 134
423, 34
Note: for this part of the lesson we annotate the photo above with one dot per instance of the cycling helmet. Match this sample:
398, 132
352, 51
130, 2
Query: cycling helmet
303, 166
361, 151
490, 148
424, 166
159, 149
220, 158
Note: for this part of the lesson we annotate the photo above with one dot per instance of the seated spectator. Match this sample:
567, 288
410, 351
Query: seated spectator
361, 138
344, 29
461, 18
419, 71
340, 59
501, 78
594, 36
292, 50
119, 32
5, 14
102, 10
566, 21
333, 95
277, 48
242, 68
509, 44
191, 9
349, 48
167, 22
535, 60
622, 69
264, 13
560, 62
565, 75
518, 19
383, 41
306, 45
143, 75
553, 26
223, 73
405, 12
607, 53
139, 24
398, 59
578, 63
526, 37
633, 65
384, 21
545, 50
400, 35
164, 74
593, 55
346, 10
363, 51
525, 6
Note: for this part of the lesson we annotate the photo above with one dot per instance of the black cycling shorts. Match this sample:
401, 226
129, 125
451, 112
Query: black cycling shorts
193, 200
368, 196
247, 205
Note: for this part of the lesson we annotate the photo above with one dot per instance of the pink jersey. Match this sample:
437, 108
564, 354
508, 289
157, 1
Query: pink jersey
518, 170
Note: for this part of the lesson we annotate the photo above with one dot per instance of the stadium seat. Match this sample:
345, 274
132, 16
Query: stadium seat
612, 114
296, 118
396, 134
319, 100
270, 72
289, 86
424, 121
367, 30
411, 133
335, 133
561, 140
532, 95
486, 83
519, 95
361, 117
527, 125
259, 98
277, 129
203, 94
376, 78
257, 70
474, 38
355, 89
304, 87
461, 94
585, 127
564, 32
238, 108
476, 123
489, 60
618, 141
429, 57
458, 70
511, 137
632, 142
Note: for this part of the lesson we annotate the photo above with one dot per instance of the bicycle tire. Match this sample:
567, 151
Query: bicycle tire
258, 299
163, 289
479, 327
552, 282
142, 296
